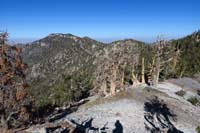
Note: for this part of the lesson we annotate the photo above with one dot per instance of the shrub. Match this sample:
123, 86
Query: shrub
67, 89
193, 100
180, 93
198, 129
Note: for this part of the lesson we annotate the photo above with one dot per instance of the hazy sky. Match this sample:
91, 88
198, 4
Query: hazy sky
100, 19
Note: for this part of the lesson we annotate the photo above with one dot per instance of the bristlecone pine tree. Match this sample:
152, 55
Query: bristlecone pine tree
111, 67
15, 103
164, 55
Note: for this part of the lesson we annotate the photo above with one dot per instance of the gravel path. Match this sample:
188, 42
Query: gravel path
129, 113
130, 110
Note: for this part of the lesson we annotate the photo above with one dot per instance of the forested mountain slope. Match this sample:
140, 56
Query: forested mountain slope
64, 68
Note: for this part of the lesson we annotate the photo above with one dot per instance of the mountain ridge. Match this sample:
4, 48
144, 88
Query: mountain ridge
116, 40
59, 56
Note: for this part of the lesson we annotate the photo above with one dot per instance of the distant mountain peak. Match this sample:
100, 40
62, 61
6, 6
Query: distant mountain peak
126, 41
86, 37
60, 34
68, 35
57, 37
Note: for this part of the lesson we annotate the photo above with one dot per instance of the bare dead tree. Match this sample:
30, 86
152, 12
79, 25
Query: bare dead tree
102, 73
163, 56
14, 99
112, 63
3, 38
142, 72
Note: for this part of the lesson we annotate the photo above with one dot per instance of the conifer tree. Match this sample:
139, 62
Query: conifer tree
15, 103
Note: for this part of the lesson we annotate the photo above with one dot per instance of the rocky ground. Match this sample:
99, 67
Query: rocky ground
137, 110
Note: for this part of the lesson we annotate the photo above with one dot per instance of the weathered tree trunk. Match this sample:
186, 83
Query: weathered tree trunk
103, 88
112, 87
133, 78
150, 72
182, 72
122, 80
156, 73
4, 123
175, 59
113, 81
143, 79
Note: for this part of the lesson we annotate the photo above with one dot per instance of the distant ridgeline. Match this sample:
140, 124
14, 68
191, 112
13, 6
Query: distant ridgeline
64, 68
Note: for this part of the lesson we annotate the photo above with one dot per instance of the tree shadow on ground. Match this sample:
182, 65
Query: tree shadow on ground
157, 117
61, 113
86, 126
198, 92
118, 127
52, 129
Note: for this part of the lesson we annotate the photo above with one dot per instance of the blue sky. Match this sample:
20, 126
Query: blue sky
104, 20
